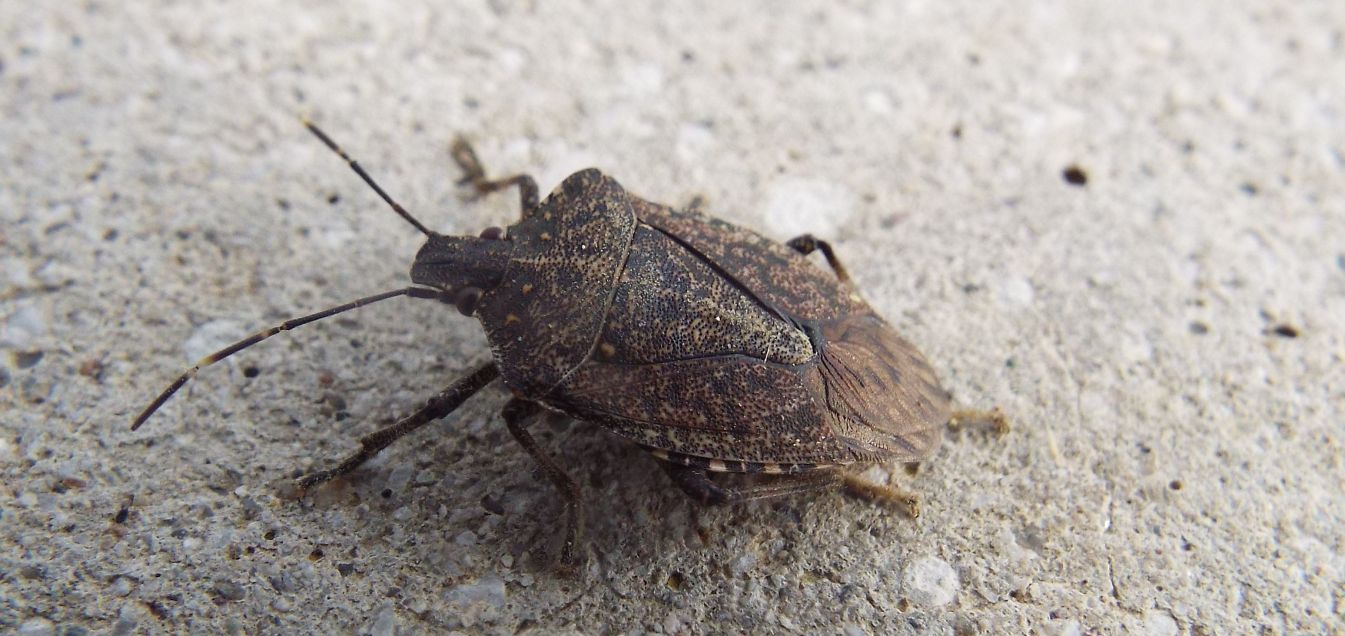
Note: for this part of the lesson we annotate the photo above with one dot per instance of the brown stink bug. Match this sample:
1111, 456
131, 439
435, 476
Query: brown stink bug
715, 349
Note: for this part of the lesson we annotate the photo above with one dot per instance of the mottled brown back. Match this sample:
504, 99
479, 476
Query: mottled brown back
776, 274
666, 375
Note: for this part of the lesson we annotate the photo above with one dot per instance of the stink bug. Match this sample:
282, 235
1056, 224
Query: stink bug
715, 349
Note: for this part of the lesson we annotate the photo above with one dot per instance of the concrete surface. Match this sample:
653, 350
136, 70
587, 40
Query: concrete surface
1167, 335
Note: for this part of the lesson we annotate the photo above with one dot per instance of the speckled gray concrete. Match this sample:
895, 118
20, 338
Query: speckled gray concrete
1168, 337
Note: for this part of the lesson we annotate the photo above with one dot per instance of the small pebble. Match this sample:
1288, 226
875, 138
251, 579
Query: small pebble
210, 337
229, 590
37, 627
743, 564
385, 622
929, 582
797, 206
23, 327
1159, 623
426, 477
400, 477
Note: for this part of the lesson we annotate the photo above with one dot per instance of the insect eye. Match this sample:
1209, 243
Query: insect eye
465, 300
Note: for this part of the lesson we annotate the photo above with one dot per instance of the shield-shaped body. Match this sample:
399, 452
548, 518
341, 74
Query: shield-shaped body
704, 342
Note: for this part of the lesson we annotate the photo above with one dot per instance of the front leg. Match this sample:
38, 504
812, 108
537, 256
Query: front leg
518, 414
438, 406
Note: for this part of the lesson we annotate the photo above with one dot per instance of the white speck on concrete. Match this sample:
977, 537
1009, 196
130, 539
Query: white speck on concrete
1016, 292
385, 622
644, 79
929, 582
400, 477
694, 141
743, 564
672, 623
211, 337
475, 602
334, 234
23, 326
1069, 627
37, 627
797, 206
878, 102
1159, 623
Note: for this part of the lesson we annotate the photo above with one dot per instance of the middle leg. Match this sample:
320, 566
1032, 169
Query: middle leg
473, 173
518, 414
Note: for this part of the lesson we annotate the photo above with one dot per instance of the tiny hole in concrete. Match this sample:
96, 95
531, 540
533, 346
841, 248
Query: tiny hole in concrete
1074, 175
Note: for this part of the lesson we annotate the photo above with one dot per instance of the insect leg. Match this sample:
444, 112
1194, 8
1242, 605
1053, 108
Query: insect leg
807, 243
880, 493
696, 483
994, 419
518, 414
473, 173
440, 405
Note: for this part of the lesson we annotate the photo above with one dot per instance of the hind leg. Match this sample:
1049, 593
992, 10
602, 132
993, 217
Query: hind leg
808, 243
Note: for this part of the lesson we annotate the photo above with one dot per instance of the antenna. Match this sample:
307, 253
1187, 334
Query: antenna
359, 170
414, 292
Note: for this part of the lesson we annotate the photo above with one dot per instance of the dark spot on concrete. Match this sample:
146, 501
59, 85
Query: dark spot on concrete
1285, 330
1249, 189
122, 515
229, 591
1175, 485
346, 569
675, 581
1198, 328
283, 582
251, 372
492, 505
1074, 175
27, 359
387, 493
315, 555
